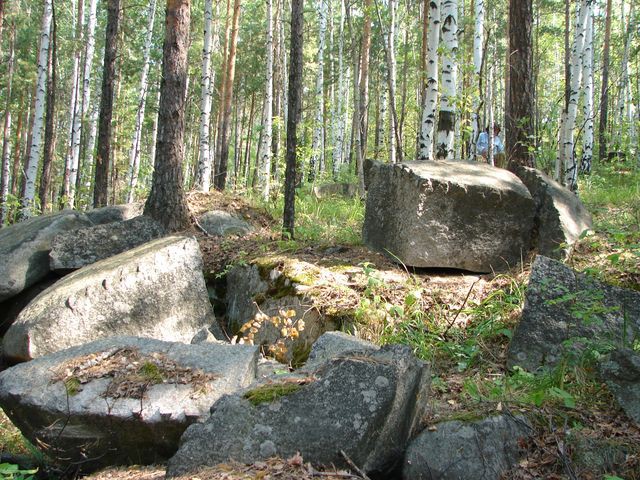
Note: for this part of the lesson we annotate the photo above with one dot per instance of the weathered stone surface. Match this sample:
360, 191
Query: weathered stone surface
596, 457
73, 250
347, 190
156, 290
221, 223
621, 372
560, 305
24, 249
96, 424
464, 215
478, 450
366, 404
560, 215
258, 295
11, 308
334, 344
115, 213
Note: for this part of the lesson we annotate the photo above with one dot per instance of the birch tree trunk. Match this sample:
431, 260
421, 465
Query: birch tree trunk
50, 125
101, 182
264, 155
317, 146
363, 101
31, 170
427, 124
604, 92
447, 118
478, 40
393, 118
567, 146
587, 108
623, 107
6, 131
134, 153
338, 120
203, 173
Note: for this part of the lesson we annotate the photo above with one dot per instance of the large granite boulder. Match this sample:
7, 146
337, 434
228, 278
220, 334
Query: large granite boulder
566, 312
335, 344
222, 224
24, 249
115, 213
121, 400
621, 372
156, 290
11, 308
73, 250
560, 215
463, 215
474, 450
366, 404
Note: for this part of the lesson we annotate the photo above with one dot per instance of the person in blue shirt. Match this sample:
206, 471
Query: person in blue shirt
482, 146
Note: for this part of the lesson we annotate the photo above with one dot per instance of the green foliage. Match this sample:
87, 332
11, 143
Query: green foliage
10, 471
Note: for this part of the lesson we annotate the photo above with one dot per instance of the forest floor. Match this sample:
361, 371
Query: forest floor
461, 323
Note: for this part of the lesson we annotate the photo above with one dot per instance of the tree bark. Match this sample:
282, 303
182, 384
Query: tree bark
363, 93
264, 154
604, 92
519, 110
447, 117
6, 130
50, 126
166, 202
428, 121
317, 146
587, 108
101, 182
294, 109
478, 50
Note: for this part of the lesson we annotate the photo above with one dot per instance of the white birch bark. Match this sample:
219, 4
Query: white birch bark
625, 103
391, 45
317, 147
478, 39
264, 155
203, 173
31, 170
134, 152
587, 108
91, 145
447, 118
427, 123
74, 108
338, 114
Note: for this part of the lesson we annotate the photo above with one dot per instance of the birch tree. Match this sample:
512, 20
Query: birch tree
447, 117
317, 147
339, 110
265, 148
203, 172
363, 94
604, 92
427, 123
134, 152
31, 170
391, 71
587, 106
478, 40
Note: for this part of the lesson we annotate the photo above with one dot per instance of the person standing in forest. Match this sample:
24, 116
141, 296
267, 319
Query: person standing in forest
482, 146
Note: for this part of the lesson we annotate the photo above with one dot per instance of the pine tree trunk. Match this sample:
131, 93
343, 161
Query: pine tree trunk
587, 108
6, 130
294, 111
317, 146
203, 172
50, 126
166, 202
31, 170
604, 92
264, 150
222, 151
427, 124
447, 117
101, 181
17, 152
519, 111
134, 153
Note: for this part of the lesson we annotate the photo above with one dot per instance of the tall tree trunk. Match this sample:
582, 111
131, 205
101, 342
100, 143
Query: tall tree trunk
6, 130
50, 125
447, 117
203, 172
18, 151
587, 108
317, 146
363, 93
427, 124
519, 110
294, 109
338, 120
478, 42
395, 150
624, 104
166, 202
222, 145
101, 182
134, 153
31, 170
567, 146
265, 147
604, 92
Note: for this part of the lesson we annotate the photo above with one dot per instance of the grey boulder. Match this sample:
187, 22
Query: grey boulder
331, 345
474, 450
222, 224
115, 213
462, 215
366, 404
73, 250
122, 400
560, 215
566, 312
156, 290
621, 372
24, 249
